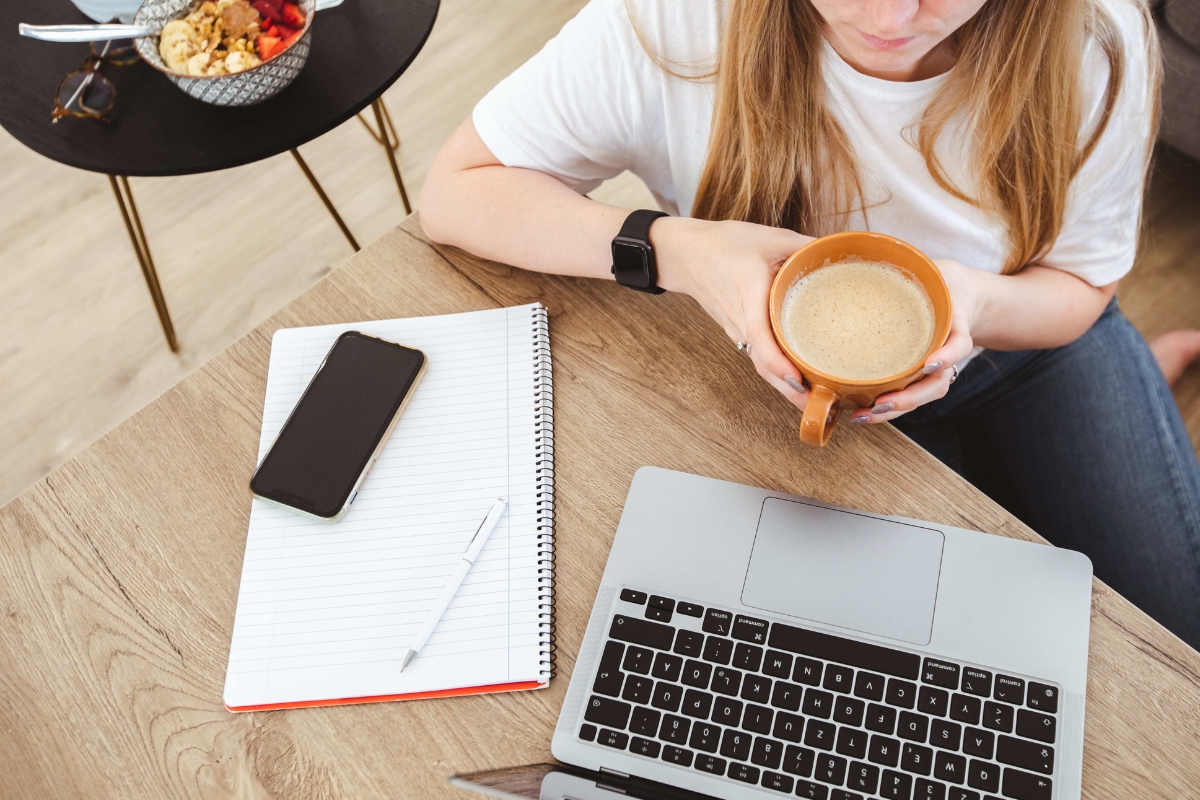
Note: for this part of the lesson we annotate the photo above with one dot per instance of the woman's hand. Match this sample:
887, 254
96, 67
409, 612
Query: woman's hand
728, 268
965, 294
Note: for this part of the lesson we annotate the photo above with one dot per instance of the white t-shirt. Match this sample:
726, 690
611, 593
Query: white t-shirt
592, 104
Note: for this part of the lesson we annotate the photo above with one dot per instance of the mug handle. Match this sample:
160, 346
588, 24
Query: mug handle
820, 417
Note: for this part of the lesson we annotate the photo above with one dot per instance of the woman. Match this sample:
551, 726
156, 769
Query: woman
1008, 139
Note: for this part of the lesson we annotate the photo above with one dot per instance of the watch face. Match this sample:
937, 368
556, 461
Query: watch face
631, 264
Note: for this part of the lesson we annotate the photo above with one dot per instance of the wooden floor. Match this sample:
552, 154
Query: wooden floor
80, 346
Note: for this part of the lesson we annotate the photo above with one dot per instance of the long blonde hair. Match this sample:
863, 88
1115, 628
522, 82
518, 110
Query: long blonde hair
777, 156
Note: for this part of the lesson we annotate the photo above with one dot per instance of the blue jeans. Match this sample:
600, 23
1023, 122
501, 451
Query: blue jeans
1084, 444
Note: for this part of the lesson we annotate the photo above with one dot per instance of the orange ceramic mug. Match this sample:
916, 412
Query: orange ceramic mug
829, 392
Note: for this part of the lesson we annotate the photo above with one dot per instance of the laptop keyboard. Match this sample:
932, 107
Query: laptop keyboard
814, 715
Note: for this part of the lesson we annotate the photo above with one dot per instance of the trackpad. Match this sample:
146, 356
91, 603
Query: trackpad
846, 569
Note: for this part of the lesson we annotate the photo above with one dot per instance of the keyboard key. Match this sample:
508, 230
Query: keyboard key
1010, 690
945, 735
659, 614
978, 743
812, 791
612, 739
706, 737
696, 673
639, 660
913, 727
787, 695
611, 659
1042, 697
956, 793
587, 733
851, 742
644, 747
848, 711
949, 767
744, 773
644, 721
940, 673
689, 643
799, 760
881, 719
611, 713
916, 758
819, 734
983, 776
718, 650
862, 777
736, 744
757, 688
757, 719
925, 789
641, 631
637, 689
677, 755
838, 678
667, 696
998, 717
845, 651
842, 794
747, 657
1036, 726
807, 671
901, 693
707, 763
780, 783
697, 703
667, 667
674, 729
977, 682
633, 596
726, 681
1023, 786
767, 752
778, 665
1027, 755
895, 785
868, 685
965, 709
690, 609
609, 677
818, 703
727, 711
830, 769
884, 751
933, 701
788, 726
749, 629
658, 601
718, 622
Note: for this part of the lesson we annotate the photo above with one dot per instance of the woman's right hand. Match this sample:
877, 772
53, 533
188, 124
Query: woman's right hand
728, 268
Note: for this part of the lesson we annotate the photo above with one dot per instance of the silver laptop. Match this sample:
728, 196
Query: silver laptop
751, 644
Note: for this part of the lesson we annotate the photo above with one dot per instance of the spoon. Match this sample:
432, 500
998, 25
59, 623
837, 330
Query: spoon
103, 33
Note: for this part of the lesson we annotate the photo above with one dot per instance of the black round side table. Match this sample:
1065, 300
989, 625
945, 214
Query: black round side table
358, 50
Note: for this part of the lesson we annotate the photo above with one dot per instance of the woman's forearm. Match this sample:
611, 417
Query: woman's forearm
1038, 308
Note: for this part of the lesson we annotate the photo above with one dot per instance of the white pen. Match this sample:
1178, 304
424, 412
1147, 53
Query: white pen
473, 549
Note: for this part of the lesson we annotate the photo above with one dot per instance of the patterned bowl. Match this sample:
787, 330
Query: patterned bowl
240, 88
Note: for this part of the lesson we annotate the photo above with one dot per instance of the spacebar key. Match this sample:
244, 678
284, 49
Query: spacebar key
643, 632
845, 651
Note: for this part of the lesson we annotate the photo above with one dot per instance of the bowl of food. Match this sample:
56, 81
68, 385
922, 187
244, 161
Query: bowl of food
227, 52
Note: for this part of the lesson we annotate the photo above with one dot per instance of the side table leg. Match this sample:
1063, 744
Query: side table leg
141, 248
325, 199
386, 136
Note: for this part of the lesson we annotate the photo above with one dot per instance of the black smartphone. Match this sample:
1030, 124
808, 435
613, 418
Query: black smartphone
339, 426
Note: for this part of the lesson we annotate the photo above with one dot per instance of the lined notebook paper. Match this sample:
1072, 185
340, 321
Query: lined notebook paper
326, 611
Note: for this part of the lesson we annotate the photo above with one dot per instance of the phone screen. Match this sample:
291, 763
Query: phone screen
335, 428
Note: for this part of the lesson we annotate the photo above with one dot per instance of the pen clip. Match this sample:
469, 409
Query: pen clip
497, 508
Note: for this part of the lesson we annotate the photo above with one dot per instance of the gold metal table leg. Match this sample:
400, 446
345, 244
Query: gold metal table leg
141, 248
325, 199
389, 140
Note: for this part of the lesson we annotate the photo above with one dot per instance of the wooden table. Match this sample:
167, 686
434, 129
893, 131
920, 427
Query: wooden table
119, 572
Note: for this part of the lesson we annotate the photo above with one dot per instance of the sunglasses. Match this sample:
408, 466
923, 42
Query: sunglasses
85, 92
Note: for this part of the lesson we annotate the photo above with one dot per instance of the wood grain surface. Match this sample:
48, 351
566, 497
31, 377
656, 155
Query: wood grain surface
119, 571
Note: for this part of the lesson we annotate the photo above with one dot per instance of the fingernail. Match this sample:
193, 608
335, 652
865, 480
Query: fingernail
795, 384
883, 408
932, 367
863, 420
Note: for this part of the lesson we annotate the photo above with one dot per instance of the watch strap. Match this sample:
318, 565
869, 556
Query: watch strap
637, 228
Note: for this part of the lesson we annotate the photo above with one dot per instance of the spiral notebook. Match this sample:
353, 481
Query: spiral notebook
325, 611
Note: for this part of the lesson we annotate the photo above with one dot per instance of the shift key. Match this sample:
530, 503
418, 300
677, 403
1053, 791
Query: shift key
641, 631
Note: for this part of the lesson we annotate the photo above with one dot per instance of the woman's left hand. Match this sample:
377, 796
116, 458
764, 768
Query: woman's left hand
964, 294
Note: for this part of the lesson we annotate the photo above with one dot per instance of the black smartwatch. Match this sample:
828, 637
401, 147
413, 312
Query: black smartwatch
633, 255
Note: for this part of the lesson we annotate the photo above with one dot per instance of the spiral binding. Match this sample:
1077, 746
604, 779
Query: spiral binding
543, 383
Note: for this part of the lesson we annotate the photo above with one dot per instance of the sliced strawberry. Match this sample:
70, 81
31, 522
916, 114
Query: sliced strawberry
271, 30
268, 46
267, 10
284, 32
287, 41
293, 17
